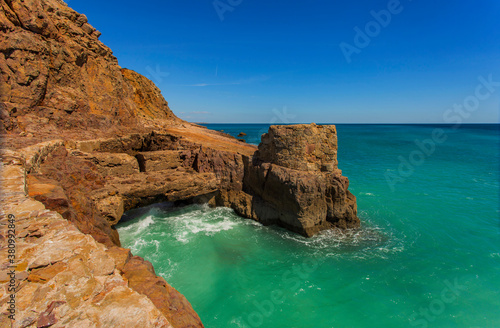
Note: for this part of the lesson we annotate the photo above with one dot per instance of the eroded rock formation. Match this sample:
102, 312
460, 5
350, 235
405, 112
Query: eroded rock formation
64, 277
293, 181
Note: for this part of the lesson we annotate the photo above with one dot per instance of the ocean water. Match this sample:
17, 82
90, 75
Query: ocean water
427, 255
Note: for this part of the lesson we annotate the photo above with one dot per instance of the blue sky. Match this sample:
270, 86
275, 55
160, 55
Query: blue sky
255, 61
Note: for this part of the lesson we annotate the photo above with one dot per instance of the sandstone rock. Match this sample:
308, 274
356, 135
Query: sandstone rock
72, 279
78, 178
141, 277
112, 208
50, 194
120, 255
111, 164
293, 181
161, 160
133, 314
35, 155
154, 187
46, 273
300, 147
227, 166
53, 66
148, 98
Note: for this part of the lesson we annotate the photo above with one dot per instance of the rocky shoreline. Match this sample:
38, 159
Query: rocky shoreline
90, 190
84, 140
63, 276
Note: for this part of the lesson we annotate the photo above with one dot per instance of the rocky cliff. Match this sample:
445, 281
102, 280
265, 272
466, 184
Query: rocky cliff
84, 140
58, 81
293, 181
57, 78
62, 276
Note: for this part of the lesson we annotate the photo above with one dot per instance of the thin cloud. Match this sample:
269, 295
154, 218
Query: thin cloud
244, 81
208, 84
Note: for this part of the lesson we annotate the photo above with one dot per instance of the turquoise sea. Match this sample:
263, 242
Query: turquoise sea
428, 253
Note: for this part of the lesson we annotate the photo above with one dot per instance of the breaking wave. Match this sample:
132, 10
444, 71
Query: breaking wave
186, 224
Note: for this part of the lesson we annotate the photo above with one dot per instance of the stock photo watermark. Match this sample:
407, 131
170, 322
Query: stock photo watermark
372, 29
156, 75
455, 115
223, 6
11, 259
280, 117
291, 280
437, 306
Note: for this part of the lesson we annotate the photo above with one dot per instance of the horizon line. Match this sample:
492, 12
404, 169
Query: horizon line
451, 124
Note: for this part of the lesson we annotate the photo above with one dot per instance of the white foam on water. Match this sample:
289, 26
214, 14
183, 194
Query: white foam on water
141, 243
182, 237
249, 222
139, 226
368, 242
338, 238
170, 270
203, 221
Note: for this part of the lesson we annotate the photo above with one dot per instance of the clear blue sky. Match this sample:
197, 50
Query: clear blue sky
281, 61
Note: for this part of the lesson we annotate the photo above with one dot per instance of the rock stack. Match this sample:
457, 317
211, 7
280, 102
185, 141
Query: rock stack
293, 181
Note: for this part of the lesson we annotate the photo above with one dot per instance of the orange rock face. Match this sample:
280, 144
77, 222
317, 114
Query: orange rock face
56, 76
62, 276
150, 104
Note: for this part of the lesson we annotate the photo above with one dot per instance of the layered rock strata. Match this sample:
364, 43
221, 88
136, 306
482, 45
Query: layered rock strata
91, 183
293, 181
62, 276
